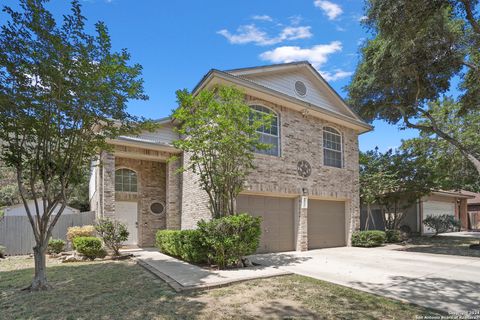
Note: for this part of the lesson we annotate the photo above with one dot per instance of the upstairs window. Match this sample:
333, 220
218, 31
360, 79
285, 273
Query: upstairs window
332, 148
269, 135
125, 180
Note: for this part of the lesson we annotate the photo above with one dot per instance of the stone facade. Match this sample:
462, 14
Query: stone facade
194, 199
174, 194
151, 177
301, 138
152, 180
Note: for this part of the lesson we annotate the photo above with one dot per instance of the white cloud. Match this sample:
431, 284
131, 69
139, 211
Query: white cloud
335, 75
251, 34
295, 20
332, 10
293, 33
245, 34
316, 55
262, 17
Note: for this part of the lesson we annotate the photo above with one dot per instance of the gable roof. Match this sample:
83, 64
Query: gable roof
240, 77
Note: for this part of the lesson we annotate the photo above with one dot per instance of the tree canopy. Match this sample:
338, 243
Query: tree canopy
408, 66
63, 93
219, 136
395, 180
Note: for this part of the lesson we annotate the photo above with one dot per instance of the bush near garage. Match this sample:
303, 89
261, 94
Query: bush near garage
442, 223
370, 238
223, 241
394, 236
229, 239
184, 244
90, 247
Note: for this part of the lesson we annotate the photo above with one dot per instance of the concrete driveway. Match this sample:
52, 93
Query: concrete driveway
447, 283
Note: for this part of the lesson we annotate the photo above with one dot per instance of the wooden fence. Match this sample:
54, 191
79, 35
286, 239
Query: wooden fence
17, 236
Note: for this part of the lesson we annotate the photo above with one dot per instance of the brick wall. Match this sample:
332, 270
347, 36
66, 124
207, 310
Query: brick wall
301, 138
151, 177
194, 199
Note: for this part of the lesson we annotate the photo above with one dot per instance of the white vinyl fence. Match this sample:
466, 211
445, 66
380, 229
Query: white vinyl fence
17, 236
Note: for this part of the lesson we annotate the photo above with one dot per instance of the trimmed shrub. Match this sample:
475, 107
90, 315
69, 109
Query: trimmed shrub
230, 238
442, 223
393, 236
3, 252
405, 229
84, 231
90, 247
223, 241
370, 238
184, 244
113, 233
56, 245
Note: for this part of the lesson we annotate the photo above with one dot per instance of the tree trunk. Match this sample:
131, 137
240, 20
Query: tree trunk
39, 282
475, 162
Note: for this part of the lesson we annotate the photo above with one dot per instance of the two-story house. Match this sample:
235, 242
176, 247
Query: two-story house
305, 187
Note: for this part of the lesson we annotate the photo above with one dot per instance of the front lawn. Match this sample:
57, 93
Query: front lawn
442, 245
124, 290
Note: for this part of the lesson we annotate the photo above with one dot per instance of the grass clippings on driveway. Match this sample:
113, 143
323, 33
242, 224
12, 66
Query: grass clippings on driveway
458, 246
124, 290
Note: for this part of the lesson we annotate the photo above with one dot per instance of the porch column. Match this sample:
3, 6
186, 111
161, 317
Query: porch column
108, 174
301, 224
463, 214
173, 195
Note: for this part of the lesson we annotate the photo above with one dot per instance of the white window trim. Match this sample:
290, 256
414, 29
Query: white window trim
342, 157
278, 136
115, 182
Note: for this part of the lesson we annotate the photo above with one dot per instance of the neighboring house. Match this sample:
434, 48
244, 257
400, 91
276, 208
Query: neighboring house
473, 207
437, 203
306, 187
19, 210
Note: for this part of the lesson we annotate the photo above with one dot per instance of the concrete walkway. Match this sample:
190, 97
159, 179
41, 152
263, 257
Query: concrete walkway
443, 282
184, 276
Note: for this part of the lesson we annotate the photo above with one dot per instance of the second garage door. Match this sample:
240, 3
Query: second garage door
436, 208
326, 224
277, 221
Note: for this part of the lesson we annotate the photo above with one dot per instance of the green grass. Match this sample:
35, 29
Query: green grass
124, 290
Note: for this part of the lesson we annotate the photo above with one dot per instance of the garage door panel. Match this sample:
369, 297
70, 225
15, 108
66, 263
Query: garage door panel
326, 224
277, 221
436, 208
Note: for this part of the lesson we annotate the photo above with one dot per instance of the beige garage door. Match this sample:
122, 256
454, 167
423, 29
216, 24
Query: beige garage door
277, 223
326, 224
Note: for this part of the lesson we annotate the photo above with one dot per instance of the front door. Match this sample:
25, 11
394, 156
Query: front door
126, 212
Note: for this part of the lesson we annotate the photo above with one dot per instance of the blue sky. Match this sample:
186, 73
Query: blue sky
177, 42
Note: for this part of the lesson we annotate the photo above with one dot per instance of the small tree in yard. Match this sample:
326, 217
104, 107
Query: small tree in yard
441, 223
218, 131
58, 87
394, 180
113, 233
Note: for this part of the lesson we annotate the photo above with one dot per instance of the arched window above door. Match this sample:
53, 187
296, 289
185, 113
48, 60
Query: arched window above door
125, 180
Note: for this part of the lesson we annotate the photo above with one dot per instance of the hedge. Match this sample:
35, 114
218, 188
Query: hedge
184, 244
222, 241
83, 231
90, 247
230, 238
393, 236
369, 238
56, 245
